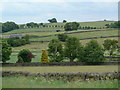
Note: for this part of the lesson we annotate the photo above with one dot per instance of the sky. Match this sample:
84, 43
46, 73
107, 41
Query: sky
24, 11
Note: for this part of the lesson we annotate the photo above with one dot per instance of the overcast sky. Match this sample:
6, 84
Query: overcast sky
36, 11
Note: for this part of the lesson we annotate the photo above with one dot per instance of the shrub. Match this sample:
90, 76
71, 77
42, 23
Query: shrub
25, 56
44, 58
16, 41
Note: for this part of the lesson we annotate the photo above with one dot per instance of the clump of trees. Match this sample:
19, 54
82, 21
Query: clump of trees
9, 26
53, 20
72, 49
71, 26
6, 51
32, 25
16, 41
25, 55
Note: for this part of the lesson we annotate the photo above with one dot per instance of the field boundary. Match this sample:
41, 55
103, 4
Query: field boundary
58, 64
82, 38
67, 76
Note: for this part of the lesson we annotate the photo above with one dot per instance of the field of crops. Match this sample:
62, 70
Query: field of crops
37, 82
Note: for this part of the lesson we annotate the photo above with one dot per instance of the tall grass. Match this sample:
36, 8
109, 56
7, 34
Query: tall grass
39, 82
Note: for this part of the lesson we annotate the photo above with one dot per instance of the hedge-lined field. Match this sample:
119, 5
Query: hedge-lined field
65, 69
97, 24
38, 46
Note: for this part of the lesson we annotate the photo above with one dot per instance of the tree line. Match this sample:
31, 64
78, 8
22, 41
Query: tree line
113, 25
71, 49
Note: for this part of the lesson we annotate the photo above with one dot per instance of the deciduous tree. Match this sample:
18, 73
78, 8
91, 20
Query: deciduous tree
55, 50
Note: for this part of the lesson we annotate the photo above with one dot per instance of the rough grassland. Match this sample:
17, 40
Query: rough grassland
64, 69
36, 82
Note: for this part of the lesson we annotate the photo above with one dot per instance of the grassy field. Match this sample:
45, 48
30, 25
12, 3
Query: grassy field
38, 46
80, 35
94, 34
34, 30
37, 82
64, 69
98, 24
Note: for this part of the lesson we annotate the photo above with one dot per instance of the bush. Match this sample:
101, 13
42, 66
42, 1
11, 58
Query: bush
44, 58
16, 41
6, 51
25, 56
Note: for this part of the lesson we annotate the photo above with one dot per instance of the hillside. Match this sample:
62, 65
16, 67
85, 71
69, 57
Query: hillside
60, 26
98, 24
40, 37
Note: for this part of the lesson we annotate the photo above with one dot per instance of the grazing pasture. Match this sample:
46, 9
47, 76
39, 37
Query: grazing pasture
38, 82
64, 69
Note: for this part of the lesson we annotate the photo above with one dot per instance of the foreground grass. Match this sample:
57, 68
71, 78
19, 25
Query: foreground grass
64, 69
37, 82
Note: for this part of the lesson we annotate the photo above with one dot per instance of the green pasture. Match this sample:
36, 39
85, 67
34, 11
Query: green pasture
38, 46
38, 82
34, 30
35, 46
98, 24
13, 57
64, 69
95, 34
82, 35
